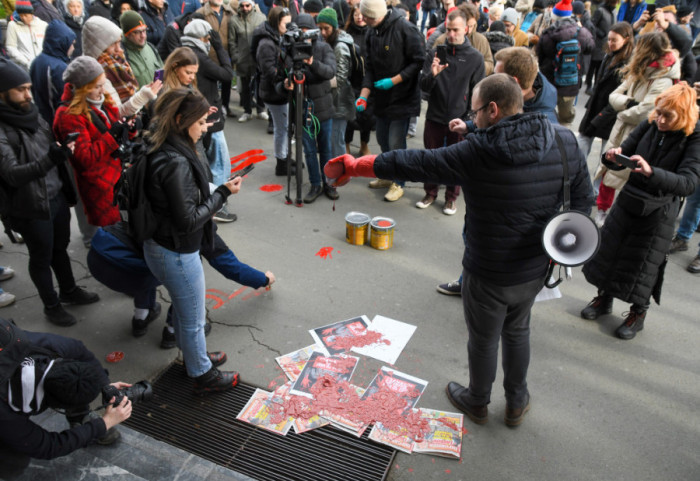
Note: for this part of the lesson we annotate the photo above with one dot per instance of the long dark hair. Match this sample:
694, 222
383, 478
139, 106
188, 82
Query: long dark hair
275, 15
175, 111
624, 30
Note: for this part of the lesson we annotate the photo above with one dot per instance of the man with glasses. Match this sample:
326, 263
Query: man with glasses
511, 172
141, 54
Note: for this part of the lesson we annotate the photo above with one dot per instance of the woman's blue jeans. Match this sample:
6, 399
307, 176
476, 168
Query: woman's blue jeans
691, 216
279, 121
183, 277
219, 160
391, 135
338, 137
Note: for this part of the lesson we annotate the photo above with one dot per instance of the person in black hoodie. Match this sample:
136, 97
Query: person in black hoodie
449, 86
100, 8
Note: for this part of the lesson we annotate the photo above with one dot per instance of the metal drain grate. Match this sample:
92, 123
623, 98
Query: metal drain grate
207, 427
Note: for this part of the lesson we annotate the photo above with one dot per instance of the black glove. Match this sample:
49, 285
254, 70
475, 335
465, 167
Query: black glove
215, 40
118, 131
58, 153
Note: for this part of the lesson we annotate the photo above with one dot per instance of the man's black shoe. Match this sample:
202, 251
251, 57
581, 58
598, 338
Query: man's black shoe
514, 416
455, 393
215, 381
78, 296
139, 327
59, 316
599, 306
313, 194
634, 322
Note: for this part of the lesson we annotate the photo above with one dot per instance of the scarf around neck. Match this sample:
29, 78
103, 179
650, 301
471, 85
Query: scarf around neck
20, 119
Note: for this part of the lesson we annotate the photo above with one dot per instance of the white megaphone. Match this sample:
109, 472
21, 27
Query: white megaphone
570, 239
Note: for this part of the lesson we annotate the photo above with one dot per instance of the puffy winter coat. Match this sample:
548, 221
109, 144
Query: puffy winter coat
562, 30
498, 41
76, 25
637, 233
270, 64
47, 69
24, 42
603, 19
240, 37
96, 171
156, 21
318, 80
545, 99
395, 47
608, 79
343, 94
511, 175
451, 91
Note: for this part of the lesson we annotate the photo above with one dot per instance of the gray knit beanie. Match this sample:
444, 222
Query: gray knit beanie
373, 8
98, 34
81, 71
197, 28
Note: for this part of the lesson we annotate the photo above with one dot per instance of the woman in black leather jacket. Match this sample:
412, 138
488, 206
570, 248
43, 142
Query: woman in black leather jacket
180, 199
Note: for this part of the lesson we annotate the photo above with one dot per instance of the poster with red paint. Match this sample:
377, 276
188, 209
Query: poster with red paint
393, 337
265, 411
294, 362
340, 336
396, 439
408, 388
342, 413
339, 368
445, 435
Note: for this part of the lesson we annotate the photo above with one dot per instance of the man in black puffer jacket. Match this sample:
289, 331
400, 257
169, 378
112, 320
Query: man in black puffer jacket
395, 52
511, 173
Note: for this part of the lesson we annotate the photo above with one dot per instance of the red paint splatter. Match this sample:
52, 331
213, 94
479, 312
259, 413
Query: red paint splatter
219, 301
368, 338
115, 356
325, 252
448, 423
237, 292
260, 366
396, 466
246, 154
245, 163
410, 470
448, 471
271, 187
383, 223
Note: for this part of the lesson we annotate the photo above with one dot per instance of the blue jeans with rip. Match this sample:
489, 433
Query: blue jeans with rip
183, 276
690, 217
316, 149
219, 159
391, 135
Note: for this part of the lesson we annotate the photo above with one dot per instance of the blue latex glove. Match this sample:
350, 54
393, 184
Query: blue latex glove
383, 84
361, 104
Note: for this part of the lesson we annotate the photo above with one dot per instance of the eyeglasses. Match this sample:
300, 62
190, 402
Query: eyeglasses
472, 113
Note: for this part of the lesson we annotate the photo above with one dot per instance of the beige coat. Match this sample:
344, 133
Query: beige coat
480, 43
222, 28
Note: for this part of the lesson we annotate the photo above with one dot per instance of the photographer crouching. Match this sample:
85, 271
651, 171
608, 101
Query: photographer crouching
43, 370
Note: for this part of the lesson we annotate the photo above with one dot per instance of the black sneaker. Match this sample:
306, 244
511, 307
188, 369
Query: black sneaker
139, 327
168, 340
59, 316
453, 288
599, 306
225, 216
78, 296
215, 381
313, 194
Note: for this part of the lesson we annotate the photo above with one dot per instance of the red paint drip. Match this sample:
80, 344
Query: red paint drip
325, 252
271, 187
448, 423
448, 471
383, 223
115, 356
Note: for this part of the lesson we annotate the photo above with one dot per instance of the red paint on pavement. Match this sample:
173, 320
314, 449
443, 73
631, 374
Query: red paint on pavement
325, 252
271, 187
366, 339
115, 356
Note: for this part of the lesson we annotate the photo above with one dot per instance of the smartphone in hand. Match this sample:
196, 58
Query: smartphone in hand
625, 161
441, 53
158, 75
242, 172
72, 137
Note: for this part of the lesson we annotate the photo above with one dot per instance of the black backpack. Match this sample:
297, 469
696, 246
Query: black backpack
357, 71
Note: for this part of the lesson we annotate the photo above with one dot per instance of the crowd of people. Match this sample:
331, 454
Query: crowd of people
82, 83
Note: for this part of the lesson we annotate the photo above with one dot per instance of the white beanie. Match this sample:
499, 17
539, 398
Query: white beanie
98, 34
373, 8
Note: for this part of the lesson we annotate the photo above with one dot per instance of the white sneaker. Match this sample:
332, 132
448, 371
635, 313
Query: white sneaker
600, 218
263, 116
425, 202
6, 299
450, 208
7, 273
245, 117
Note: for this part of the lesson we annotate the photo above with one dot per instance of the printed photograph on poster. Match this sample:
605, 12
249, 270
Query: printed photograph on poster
445, 435
337, 338
263, 411
394, 336
339, 368
408, 387
294, 362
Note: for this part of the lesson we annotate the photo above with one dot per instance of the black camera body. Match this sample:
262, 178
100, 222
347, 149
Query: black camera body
138, 392
297, 44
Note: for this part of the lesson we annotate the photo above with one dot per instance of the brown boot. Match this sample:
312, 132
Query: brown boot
364, 149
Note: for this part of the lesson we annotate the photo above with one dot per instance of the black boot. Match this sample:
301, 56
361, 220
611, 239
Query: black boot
281, 168
600, 305
313, 194
633, 324
215, 381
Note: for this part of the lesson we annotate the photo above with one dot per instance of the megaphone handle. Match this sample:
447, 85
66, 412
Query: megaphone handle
569, 273
550, 271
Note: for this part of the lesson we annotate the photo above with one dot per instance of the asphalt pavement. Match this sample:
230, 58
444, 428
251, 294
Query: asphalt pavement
602, 408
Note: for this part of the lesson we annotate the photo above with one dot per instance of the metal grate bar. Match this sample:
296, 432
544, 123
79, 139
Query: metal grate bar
208, 428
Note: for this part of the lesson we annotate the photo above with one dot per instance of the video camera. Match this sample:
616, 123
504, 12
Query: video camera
297, 44
138, 392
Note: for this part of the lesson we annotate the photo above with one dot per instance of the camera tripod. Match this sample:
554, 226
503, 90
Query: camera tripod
295, 129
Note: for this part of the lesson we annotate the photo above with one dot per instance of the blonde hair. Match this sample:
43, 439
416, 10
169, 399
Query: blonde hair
681, 99
648, 48
178, 58
79, 104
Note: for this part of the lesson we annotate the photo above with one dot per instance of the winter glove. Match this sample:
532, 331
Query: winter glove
361, 104
383, 84
58, 153
341, 169
118, 131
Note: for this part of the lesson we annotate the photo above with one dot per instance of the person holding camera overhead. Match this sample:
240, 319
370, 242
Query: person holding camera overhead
90, 112
66, 376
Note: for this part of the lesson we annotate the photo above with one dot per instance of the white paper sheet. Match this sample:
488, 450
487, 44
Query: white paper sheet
396, 332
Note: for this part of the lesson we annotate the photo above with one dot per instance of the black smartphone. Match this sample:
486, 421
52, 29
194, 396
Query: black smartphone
242, 172
625, 161
158, 75
441, 53
651, 8
72, 137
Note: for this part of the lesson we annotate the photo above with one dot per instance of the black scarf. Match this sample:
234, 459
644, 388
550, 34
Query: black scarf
20, 119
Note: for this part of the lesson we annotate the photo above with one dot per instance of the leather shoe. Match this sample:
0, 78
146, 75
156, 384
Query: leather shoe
514, 416
139, 327
599, 306
634, 322
455, 393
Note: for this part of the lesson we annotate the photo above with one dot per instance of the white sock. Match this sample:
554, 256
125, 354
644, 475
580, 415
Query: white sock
140, 314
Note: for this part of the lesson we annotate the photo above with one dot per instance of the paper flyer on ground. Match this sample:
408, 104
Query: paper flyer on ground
344, 423
445, 436
394, 439
339, 368
337, 338
294, 362
262, 411
395, 336
409, 388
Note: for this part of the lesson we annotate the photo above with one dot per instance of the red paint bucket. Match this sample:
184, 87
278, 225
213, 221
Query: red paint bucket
382, 233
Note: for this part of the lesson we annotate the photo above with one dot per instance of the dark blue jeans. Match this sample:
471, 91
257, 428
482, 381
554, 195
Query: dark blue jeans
316, 149
47, 242
140, 286
391, 134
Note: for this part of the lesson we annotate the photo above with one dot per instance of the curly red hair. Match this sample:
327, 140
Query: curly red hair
682, 99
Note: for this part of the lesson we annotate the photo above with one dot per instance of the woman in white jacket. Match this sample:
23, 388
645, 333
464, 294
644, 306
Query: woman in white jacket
25, 38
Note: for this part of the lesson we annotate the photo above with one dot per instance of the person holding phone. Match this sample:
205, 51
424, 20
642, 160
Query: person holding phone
665, 152
449, 83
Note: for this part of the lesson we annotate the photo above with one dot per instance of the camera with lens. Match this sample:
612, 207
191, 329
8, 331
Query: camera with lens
138, 392
297, 44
